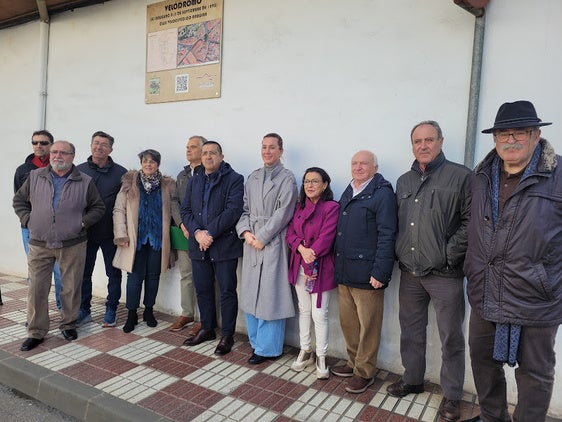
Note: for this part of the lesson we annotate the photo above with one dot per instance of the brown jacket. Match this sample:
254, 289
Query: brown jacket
126, 220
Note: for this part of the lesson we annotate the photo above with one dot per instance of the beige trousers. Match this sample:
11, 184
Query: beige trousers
361, 321
40, 263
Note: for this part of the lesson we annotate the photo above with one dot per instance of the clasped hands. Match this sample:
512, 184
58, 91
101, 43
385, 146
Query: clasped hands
204, 239
308, 254
253, 241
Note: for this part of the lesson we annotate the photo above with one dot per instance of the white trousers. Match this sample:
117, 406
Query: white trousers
308, 311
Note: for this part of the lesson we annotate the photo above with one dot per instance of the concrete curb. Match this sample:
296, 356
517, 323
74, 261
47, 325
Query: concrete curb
69, 396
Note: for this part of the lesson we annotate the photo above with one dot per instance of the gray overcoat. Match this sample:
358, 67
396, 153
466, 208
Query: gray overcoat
268, 208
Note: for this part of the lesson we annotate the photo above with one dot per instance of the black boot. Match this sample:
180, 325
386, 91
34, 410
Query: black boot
148, 316
132, 320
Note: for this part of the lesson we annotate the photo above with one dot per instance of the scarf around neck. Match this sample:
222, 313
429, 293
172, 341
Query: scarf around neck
152, 182
506, 341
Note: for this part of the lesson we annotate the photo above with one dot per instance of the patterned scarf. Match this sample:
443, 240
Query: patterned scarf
506, 342
152, 182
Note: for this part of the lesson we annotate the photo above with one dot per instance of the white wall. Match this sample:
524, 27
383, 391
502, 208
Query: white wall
331, 79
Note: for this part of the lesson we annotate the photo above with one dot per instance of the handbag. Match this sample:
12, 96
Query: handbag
177, 239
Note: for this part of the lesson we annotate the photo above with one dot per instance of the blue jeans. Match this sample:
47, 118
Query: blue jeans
266, 337
145, 268
113, 274
204, 273
56, 269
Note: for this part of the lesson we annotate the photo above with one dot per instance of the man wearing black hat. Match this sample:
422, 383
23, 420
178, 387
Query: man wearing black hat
513, 265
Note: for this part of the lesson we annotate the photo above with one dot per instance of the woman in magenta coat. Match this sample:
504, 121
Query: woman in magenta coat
310, 237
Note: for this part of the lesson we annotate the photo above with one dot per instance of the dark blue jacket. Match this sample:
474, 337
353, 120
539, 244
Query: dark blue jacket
366, 234
22, 172
108, 182
218, 216
513, 268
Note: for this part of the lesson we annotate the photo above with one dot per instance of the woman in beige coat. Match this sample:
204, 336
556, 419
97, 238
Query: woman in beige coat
141, 228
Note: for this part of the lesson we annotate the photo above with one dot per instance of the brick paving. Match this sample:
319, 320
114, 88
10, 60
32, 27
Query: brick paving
151, 369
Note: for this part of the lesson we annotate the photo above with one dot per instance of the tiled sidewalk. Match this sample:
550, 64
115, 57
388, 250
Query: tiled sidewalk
150, 368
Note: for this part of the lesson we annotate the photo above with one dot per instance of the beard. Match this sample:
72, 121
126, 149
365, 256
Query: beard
59, 166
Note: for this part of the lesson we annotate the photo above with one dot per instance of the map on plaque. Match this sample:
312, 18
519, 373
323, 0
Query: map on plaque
183, 50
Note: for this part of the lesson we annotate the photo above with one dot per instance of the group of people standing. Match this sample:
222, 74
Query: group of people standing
500, 225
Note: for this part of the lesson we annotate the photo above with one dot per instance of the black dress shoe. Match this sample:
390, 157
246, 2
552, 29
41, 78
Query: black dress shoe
257, 359
201, 336
224, 346
30, 343
401, 389
70, 334
450, 410
474, 419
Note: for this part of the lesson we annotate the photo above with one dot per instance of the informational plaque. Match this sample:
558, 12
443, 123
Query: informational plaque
183, 50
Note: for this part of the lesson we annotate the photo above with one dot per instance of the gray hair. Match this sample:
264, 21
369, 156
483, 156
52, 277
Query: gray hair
430, 123
202, 139
70, 144
370, 153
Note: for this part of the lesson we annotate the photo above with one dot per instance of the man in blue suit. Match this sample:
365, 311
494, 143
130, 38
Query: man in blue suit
211, 208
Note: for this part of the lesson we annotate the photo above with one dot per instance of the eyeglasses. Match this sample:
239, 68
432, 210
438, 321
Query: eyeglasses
44, 143
63, 153
518, 135
312, 182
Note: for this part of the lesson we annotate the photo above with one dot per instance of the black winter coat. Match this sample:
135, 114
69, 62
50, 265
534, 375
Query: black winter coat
514, 269
108, 182
433, 215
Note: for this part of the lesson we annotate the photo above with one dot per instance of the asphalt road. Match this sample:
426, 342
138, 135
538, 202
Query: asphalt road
15, 406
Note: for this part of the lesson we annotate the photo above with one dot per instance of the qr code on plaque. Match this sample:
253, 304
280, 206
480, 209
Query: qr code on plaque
182, 83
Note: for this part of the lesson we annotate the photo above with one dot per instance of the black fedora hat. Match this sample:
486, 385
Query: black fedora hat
516, 115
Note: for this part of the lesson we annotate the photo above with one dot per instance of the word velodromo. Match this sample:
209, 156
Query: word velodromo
181, 4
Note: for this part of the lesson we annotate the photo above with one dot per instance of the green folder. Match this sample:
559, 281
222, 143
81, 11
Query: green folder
177, 239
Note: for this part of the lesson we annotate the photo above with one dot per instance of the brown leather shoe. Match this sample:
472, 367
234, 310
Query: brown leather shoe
358, 384
224, 346
401, 389
180, 323
342, 371
200, 337
194, 330
450, 410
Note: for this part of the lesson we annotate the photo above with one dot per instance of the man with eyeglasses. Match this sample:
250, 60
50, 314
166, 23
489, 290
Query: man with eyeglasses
513, 265
433, 213
57, 204
107, 176
41, 140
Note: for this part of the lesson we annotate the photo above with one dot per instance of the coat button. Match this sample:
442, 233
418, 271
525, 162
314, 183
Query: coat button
360, 255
